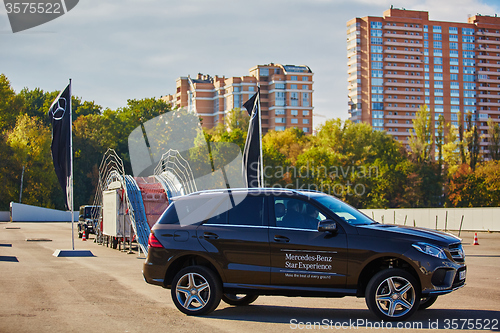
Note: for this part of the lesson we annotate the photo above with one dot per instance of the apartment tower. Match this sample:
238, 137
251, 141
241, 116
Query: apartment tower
401, 61
285, 99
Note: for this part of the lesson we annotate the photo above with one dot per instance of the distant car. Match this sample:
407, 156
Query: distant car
87, 220
236, 245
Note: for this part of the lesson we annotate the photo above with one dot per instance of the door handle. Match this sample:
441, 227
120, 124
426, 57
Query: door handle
282, 239
209, 235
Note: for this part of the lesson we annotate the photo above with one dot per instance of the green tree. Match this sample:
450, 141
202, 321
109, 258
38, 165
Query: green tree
471, 141
10, 105
30, 142
494, 139
421, 138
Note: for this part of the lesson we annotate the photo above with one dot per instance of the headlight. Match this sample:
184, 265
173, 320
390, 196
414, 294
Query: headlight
429, 249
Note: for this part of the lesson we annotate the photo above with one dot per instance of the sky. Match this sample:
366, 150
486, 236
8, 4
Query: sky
114, 50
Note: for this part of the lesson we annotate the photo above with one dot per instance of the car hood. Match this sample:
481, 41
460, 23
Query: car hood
417, 234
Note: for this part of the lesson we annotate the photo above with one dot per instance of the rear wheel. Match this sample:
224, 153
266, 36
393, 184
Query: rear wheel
393, 294
426, 302
239, 299
196, 290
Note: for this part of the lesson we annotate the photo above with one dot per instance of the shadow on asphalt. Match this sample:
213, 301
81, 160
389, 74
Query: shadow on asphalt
449, 319
9, 258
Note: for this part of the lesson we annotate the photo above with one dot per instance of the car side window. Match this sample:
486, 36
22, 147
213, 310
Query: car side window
296, 213
250, 211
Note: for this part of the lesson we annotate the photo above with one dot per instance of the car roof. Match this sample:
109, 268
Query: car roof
251, 191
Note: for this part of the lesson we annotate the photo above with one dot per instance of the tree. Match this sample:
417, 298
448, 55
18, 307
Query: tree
467, 189
237, 119
421, 138
494, 139
471, 140
30, 142
10, 105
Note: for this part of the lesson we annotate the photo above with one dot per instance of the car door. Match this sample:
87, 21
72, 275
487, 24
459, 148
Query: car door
237, 236
302, 256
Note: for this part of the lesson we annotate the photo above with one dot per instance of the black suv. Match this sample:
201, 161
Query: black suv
235, 245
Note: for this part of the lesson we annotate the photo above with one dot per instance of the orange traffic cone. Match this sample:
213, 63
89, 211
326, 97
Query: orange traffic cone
84, 238
475, 239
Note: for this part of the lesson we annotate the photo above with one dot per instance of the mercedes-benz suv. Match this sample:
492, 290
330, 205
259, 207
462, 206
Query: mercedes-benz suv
235, 245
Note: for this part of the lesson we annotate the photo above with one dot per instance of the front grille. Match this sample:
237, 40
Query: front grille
457, 252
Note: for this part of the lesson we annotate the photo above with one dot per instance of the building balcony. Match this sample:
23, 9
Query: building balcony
400, 108
403, 44
403, 76
403, 52
404, 100
490, 57
353, 60
488, 49
402, 36
402, 68
390, 27
400, 116
404, 85
487, 41
409, 61
488, 80
403, 92
490, 103
488, 72
354, 69
491, 95
495, 88
483, 33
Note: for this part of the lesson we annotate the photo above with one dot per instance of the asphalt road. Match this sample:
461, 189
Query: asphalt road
106, 293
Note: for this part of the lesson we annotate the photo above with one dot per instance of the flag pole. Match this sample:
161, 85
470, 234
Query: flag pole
71, 163
260, 139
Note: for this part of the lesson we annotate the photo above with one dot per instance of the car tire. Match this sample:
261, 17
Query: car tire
233, 299
393, 294
426, 302
196, 290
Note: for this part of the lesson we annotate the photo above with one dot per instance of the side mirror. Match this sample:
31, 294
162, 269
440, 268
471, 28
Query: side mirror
327, 226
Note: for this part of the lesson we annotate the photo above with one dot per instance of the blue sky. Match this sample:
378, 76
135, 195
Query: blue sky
119, 49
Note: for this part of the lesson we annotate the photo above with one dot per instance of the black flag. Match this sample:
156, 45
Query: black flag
60, 117
252, 153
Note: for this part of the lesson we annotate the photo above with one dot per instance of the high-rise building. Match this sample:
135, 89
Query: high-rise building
403, 60
285, 96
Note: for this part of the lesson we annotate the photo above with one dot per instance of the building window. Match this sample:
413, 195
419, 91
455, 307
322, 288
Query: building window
279, 112
294, 121
293, 77
305, 112
305, 121
280, 120
294, 113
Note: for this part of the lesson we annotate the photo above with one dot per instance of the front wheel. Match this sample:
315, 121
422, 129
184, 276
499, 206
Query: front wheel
239, 300
426, 302
196, 290
393, 294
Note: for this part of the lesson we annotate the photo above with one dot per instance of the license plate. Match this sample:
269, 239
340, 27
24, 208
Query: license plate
461, 275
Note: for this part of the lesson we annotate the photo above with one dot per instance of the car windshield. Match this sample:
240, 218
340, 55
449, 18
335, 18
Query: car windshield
346, 212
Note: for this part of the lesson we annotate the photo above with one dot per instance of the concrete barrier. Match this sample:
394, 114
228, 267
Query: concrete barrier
474, 219
4, 216
27, 213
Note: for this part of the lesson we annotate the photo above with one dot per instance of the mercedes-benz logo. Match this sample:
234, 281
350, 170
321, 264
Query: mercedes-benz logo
59, 109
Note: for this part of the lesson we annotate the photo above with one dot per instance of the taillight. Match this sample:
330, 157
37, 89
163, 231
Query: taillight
153, 241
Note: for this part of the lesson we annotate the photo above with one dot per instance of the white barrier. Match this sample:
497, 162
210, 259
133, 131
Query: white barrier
474, 219
26, 213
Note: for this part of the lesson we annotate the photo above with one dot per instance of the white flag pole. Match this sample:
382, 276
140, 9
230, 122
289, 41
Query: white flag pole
261, 178
71, 169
